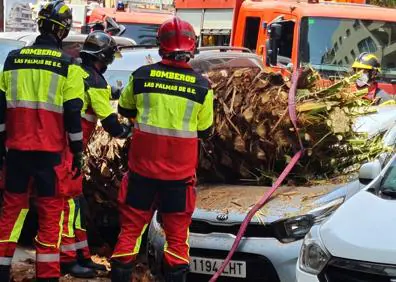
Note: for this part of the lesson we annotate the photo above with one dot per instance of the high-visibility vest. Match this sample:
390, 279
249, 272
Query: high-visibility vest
172, 105
96, 102
36, 81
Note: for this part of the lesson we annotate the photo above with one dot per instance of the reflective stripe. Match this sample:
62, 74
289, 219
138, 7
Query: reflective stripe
17, 229
81, 245
123, 255
139, 240
14, 85
165, 131
2, 127
53, 88
5, 260
137, 245
60, 228
45, 244
90, 118
187, 115
77, 223
47, 257
76, 136
146, 108
35, 106
72, 208
176, 256
68, 248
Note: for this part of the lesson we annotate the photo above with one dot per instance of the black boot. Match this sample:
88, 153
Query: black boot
5, 273
76, 270
47, 279
121, 272
88, 263
177, 273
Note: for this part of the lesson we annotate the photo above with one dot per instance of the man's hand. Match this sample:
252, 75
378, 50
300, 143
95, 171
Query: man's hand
77, 164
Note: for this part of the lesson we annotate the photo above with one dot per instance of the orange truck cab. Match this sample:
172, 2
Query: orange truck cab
140, 24
327, 35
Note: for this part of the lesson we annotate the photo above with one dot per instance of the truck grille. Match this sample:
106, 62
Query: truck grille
258, 268
253, 230
344, 270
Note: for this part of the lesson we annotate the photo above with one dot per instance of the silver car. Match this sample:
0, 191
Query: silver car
270, 247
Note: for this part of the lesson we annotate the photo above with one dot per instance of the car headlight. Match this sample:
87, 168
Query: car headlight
313, 255
324, 211
294, 228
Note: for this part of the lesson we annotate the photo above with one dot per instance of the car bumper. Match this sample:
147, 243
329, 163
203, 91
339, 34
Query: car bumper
283, 257
303, 276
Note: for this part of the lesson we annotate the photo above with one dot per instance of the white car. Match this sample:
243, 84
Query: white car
357, 243
270, 248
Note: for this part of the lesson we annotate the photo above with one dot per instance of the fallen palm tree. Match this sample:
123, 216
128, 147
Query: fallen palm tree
253, 137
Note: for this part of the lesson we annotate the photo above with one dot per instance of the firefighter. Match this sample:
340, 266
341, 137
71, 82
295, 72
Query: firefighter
120, 6
41, 98
97, 53
173, 108
369, 66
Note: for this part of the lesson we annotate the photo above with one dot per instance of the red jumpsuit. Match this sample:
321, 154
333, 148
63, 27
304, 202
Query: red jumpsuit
41, 97
96, 106
173, 106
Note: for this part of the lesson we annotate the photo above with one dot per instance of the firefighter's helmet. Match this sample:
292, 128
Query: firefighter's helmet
56, 18
120, 6
100, 46
367, 61
176, 38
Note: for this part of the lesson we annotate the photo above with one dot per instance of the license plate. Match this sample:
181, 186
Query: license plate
210, 266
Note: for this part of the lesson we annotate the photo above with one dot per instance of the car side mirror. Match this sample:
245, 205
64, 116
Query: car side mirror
369, 171
272, 44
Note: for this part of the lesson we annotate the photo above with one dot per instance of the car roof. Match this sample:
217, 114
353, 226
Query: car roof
27, 37
134, 57
30, 37
80, 38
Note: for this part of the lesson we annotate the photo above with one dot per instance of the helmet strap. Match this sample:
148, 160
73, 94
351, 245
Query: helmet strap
62, 33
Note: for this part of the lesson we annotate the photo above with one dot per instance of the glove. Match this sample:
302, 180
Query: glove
77, 164
127, 131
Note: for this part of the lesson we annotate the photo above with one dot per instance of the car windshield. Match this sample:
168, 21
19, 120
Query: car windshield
331, 45
7, 45
389, 180
143, 34
117, 77
119, 71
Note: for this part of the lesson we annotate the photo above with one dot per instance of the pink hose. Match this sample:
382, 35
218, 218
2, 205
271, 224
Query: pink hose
278, 182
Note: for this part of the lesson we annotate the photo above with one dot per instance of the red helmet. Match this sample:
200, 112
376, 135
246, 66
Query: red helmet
175, 37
